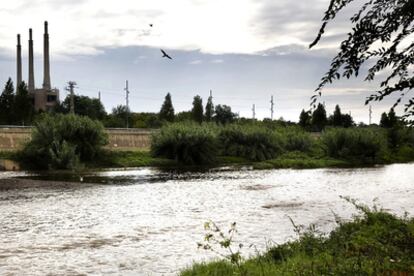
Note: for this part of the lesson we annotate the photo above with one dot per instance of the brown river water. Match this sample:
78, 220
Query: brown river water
147, 222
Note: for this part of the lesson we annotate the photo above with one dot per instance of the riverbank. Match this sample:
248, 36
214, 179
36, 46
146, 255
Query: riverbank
290, 160
376, 243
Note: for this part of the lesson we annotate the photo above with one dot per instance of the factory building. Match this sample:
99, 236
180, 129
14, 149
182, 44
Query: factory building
46, 97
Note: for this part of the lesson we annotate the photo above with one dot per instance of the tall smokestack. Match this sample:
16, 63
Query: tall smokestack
46, 63
31, 84
19, 62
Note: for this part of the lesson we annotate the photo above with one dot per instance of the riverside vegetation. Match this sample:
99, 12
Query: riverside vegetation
72, 142
374, 243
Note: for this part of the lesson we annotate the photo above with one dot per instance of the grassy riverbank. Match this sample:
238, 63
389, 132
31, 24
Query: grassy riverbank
293, 160
376, 243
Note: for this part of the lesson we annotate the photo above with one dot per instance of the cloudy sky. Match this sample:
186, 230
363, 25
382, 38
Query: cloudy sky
243, 50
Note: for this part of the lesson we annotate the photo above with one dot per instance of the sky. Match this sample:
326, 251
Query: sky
245, 51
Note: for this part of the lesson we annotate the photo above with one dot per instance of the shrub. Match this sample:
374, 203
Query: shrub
253, 143
187, 143
297, 140
60, 141
360, 145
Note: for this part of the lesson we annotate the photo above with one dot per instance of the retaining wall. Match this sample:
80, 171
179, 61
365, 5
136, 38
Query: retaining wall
13, 138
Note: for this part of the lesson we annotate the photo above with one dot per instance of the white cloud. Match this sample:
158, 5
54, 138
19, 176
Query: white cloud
196, 62
214, 26
217, 60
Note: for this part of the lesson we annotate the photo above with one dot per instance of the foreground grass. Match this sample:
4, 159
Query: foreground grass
376, 243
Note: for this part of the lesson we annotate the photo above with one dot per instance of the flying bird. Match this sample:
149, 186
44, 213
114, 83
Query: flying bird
164, 54
151, 25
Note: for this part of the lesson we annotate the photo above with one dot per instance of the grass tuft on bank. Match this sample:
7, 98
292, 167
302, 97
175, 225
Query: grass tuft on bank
374, 243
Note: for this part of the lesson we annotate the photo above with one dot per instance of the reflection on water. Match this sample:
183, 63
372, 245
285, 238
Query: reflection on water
148, 221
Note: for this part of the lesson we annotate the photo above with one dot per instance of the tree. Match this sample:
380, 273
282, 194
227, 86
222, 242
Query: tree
389, 120
224, 115
319, 119
61, 141
183, 116
389, 23
347, 120
304, 119
197, 112
6, 103
23, 105
209, 109
167, 109
337, 117
84, 106
385, 121
393, 119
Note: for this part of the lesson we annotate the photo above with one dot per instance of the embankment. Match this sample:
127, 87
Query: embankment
14, 137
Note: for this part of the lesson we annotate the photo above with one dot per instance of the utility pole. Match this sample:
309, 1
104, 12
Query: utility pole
127, 103
254, 111
70, 87
370, 114
272, 104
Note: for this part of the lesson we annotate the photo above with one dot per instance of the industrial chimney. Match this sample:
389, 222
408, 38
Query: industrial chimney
31, 84
19, 62
46, 63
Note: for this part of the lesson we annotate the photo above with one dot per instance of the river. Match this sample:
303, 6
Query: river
147, 222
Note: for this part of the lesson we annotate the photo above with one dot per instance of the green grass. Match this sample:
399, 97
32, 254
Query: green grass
123, 159
376, 243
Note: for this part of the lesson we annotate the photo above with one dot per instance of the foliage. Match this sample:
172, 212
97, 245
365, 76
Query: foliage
6, 103
209, 111
389, 23
187, 143
84, 106
340, 120
125, 159
374, 243
296, 139
319, 119
59, 141
23, 108
197, 111
215, 237
167, 109
223, 114
389, 120
251, 142
305, 119
118, 117
361, 145
184, 116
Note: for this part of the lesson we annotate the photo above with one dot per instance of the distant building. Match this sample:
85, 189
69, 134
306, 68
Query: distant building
46, 97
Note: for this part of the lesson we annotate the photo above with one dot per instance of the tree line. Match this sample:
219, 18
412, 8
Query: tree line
16, 108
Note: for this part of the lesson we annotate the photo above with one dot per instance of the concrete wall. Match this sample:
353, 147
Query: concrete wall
13, 138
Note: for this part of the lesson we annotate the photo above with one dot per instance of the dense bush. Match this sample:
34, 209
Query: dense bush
359, 145
296, 139
60, 141
251, 142
187, 143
